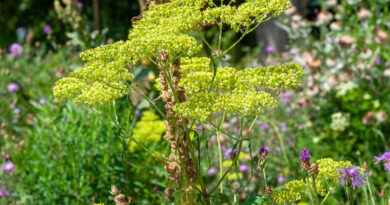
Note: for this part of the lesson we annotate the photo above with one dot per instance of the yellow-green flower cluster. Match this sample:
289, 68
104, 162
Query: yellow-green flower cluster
246, 15
165, 27
233, 91
295, 190
100, 81
329, 169
148, 130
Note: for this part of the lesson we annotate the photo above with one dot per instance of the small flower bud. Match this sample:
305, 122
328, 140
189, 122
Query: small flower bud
314, 169
268, 191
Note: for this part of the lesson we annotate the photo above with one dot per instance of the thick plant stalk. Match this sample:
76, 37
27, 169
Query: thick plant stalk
180, 165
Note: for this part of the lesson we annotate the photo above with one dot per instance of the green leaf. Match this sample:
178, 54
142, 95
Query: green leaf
255, 200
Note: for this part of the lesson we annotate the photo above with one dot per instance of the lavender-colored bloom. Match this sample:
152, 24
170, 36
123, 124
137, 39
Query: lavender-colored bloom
264, 150
16, 111
12, 106
334, 40
8, 167
243, 168
15, 120
4, 192
200, 127
283, 127
264, 126
377, 61
80, 4
93, 36
41, 101
213, 138
278, 149
47, 29
281, 179
137, 112
384, 157
270, 49
15, 50
300, 127
352, 175
286, 98
230, 153
13, 87
305, 155
211, 171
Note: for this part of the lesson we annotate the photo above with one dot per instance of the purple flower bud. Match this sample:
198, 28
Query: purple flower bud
200, 127
8, 167
264, 150
377, 61
305, 155
79, 4
230, 153
281, 179
211, 171
13, 87
264, 126
47, 29
4, 192
270, 49
243, 168
15, 50
286, 98
16, 111
41, 101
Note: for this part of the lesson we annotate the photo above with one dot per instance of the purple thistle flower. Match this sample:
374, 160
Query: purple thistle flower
15, 50
384, 157
47, 29
305, 155
80, 4
13, 87
41, 101
4, 192
352, 175
16, 111
270, 49
377, 61
243, 168
230, 153
8, 167
211, 171
264, 150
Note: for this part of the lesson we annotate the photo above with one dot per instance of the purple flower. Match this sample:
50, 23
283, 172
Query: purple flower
264, 150
137, 112
334, 40
243, 168
270, 49
300, 127
4, 192
384, 157
8, 167
13, 87
15, 50
377, 61
264, 126
16, 111
41, 101
211, 171
47, 29
230, 153
305, 155
281, 179
352, 175
283, 127
80, 4
93, 36
200, 127
286, 98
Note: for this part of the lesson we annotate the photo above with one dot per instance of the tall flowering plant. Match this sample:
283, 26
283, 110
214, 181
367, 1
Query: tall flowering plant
194, 89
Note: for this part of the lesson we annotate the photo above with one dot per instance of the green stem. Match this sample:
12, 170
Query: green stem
369, 190
281, 142
220, 151
327, 195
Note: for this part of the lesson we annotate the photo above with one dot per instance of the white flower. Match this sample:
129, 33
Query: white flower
345, 87
339, 122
